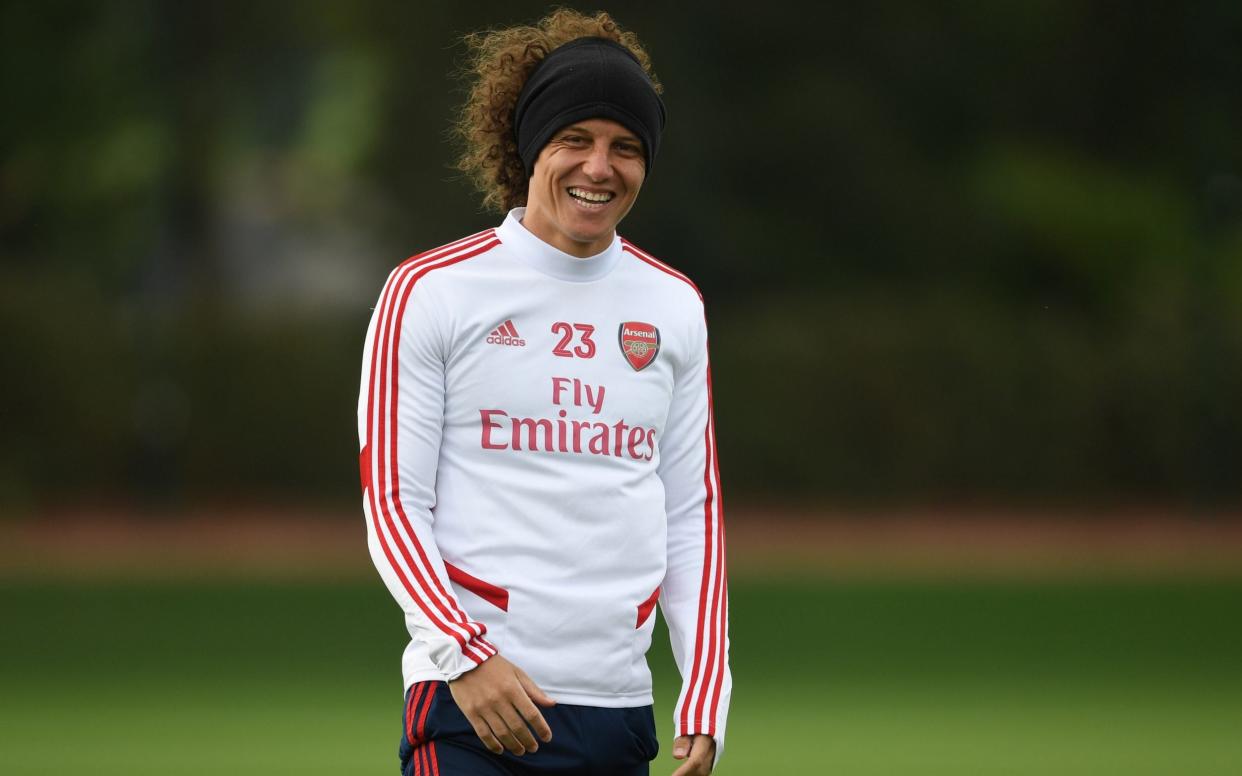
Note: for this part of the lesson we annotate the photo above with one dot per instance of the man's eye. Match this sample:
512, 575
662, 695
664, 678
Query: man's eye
628, 148
573, 139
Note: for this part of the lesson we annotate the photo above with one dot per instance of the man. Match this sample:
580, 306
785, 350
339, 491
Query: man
538, 450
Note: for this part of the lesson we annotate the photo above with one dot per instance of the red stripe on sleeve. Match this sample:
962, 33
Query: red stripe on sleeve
714, 665
724, 619
443, 601
384, 310
461, 628
706, 588
707, 671
722, 604
379, 367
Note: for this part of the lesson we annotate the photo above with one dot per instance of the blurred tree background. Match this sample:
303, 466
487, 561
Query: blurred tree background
951, 252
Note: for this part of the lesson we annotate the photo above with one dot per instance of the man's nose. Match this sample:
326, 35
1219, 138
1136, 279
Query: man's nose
598, 165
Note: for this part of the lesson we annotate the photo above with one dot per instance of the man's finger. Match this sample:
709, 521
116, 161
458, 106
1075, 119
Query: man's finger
534, 718
687, 769
695, 765
485, 734
702, 750
502, 733
700, 761
517, 726
537, 695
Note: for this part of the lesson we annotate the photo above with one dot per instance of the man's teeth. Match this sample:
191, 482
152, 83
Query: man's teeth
589, 196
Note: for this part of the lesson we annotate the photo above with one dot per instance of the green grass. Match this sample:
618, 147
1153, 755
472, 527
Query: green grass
862, 677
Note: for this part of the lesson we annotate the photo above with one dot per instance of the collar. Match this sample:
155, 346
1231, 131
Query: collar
542, 257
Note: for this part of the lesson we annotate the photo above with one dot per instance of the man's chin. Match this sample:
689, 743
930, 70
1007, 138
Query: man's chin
589, 236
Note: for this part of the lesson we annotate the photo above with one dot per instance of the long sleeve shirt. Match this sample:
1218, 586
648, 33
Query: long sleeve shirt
538, 462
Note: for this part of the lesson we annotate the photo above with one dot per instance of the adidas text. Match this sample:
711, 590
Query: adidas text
514, 341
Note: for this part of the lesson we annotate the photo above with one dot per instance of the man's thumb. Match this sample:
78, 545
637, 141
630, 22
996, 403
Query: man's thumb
681, 747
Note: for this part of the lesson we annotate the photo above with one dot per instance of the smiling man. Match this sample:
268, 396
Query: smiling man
538, 452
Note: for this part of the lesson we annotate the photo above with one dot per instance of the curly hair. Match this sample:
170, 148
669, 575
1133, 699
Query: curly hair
498, 64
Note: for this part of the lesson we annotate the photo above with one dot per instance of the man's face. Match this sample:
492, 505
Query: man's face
584, 182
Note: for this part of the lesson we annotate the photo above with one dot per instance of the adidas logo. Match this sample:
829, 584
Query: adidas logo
506, 334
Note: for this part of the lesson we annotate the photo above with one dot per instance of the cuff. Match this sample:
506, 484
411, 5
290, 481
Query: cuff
455, 660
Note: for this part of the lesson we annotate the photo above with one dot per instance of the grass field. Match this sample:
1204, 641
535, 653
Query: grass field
1116, 676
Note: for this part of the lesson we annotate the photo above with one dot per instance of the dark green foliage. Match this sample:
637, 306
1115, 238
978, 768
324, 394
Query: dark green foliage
955, 251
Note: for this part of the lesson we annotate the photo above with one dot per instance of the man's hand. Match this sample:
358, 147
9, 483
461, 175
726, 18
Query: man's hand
498, 699
699, 752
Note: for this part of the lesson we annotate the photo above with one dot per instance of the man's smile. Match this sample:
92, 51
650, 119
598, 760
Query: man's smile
589, 199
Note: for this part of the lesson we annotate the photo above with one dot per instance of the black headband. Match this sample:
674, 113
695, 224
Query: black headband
587, 78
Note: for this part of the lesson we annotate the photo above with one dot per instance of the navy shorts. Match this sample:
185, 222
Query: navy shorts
437, 740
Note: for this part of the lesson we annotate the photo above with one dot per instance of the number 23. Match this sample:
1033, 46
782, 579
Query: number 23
584, 350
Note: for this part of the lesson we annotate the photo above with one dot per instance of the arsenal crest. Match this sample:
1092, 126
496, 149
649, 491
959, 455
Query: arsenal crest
640, 343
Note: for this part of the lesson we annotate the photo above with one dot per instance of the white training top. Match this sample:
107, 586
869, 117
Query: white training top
539, 465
